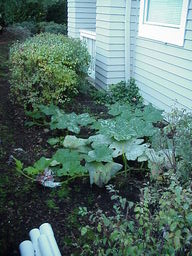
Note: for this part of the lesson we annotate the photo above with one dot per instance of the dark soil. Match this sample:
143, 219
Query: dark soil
25, 205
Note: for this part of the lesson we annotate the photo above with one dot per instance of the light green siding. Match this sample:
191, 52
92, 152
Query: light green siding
110, 42
163, 71
81, 15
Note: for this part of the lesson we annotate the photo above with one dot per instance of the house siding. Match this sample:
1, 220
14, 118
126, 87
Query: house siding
162, 71
81, 15
110, 42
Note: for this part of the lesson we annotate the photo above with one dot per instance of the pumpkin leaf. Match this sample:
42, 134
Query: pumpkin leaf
42, 163
101, 153
53, 141
132, 148
73, 142
151, 114
118, 129
31, 170
70, 161
100, 173
98, 140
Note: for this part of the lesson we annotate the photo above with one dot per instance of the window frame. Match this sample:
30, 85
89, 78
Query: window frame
167, 33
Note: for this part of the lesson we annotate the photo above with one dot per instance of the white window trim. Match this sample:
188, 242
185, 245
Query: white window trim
173, 34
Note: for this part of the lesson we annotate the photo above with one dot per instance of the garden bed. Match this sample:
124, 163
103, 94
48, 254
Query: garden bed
25, 205
146, 160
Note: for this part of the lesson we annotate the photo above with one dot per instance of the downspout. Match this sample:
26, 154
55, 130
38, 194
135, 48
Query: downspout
127, 39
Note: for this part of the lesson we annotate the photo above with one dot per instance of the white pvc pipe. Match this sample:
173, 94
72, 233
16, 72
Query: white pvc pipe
34, 234
26, 248
44, 246
48, 231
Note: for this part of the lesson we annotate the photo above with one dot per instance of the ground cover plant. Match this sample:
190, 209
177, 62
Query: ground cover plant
122, 135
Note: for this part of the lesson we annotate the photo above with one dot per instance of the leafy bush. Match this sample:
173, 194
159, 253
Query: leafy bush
23, 30
30, 25
58, 12
138, 229
172, 146
52, 27
126, 93
47, 68
19, 32
122, 93
13, 11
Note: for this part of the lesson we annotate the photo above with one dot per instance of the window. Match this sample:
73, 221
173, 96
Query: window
163, 20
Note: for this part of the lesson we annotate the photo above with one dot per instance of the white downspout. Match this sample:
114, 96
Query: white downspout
127, 39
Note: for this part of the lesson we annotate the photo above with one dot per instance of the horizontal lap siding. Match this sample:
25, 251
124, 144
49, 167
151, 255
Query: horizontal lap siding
110, 42
163, 72
81, 15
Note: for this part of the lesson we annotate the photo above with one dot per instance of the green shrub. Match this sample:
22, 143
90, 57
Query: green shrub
175, 141
52, 27
30, 25
126, 93
160, 224
23, 30
13, 11
58, 12
47, 68
121, 92
18, 31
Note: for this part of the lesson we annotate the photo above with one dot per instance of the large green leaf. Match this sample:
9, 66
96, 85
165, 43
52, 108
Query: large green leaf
151, 114
100, 174
142, 128
118, 129
70, 161
101, 153
53, 141
71, 122
73, 142
85, 119
42, 163
132, 148
31, 170
48, 110
99, 139
117, 109
65, 121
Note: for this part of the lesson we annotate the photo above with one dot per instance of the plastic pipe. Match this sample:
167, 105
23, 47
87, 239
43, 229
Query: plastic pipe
34, 234
48, 231
26, 248
44, 246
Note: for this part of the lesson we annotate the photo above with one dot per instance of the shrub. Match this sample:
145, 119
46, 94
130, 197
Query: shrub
30, 25
139, 229
175, 141
23, 30
121, 92
52, 27
58, 12
19, 32
47, 68
21, 10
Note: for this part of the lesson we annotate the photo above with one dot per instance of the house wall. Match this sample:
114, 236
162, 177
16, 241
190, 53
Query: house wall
110, 42
81, 15
162, 71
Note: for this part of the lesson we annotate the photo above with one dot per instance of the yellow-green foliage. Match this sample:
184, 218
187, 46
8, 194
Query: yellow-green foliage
47, 68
